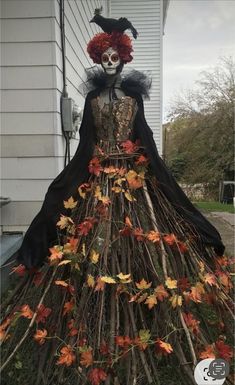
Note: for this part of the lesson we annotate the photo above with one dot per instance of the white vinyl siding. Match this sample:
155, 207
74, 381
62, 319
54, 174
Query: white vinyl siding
146, 16
31, 72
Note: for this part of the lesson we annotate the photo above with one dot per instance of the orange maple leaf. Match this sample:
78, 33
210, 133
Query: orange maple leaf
143, 284
191, 322
163, 347
123, 341
210, 279
170, 239
142, 160
161, 293
86, 225
138, 234
99, 284
61, 283
151, 301
26, 311
96, 376
42, 313
153, 236
67, 357
56, 254
86, 358
95, 167
40, 335
68, 307
209, 352
134, 180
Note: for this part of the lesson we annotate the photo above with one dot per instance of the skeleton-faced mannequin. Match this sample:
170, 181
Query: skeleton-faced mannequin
112, 66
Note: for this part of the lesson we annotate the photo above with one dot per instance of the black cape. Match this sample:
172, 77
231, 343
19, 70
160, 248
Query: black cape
42, 233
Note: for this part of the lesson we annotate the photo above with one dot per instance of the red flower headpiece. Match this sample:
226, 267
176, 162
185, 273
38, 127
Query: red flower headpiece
117, 40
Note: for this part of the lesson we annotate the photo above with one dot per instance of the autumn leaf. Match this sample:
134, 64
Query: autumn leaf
83, 189
70, 203
71, 246
224, 351
38, 278
182, 247
153, 236
196, 293
160, 293
123, 341
104, 348
110, 170
138, 234
176, 300
183, 283
170, 239
68, 307
56, 254
42, 313
171, 283
94, 256
163, 347
99, 284
141, 160
209, 352
128, 196
191, 322
20, 270
124, 278
64, 262
129, 147
107, 279
142, 298
128, 222
142, 339
67, 357
61, 283
40, 335
96, 376
95, 167
143, 284
135, 180
86, 358
26, 311
64, 222
90, 280
151, 301
210, 279
86, 225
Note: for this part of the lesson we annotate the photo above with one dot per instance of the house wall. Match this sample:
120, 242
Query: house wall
31, 63
147, 18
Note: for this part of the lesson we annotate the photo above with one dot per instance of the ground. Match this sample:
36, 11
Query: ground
224, 223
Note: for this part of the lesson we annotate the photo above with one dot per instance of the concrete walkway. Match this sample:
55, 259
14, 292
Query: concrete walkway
225, 224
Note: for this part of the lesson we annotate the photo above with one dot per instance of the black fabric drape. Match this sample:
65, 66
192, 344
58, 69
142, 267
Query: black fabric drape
42, 232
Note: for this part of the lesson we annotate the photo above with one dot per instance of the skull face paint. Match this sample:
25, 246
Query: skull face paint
110, 61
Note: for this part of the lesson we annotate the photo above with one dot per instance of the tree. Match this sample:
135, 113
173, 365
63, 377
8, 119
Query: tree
201, 127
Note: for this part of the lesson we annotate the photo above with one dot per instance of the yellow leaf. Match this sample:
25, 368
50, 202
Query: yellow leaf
143, 284
116, 189
124, 278
107, 279
90, 280
171, 283
176, 300
97, 192
144, 335
129, 197
70, 203
151, 301
94, 256
61, 283
64, 222
64, 262
83, 249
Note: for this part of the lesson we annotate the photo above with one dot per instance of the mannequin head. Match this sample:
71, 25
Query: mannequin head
111, 61
112, 51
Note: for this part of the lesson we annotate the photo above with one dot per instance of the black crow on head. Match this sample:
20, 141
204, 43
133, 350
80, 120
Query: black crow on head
109, 25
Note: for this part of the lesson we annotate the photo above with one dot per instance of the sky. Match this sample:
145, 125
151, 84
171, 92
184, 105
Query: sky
197, 33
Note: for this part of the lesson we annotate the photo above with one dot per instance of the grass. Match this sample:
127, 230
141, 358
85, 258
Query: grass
215, 206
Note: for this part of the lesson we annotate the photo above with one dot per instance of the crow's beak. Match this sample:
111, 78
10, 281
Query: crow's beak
92, 20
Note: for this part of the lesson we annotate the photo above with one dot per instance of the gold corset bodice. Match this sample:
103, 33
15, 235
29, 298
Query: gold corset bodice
114, 120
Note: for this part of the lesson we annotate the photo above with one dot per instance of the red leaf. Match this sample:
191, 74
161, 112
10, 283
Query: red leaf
96, 376
129, 147
224, 351
20, 270
42, 313
95, 167
123, 341
86, 226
